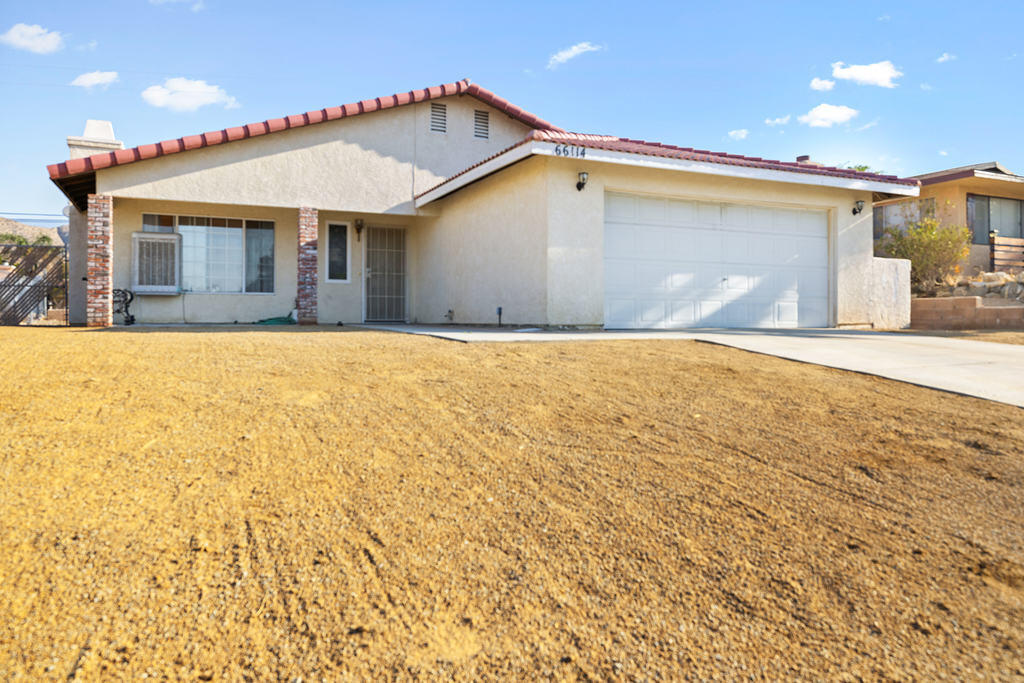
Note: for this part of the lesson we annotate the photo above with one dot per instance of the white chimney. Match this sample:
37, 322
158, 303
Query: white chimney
98, 137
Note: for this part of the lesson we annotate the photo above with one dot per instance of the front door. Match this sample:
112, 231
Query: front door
385, 274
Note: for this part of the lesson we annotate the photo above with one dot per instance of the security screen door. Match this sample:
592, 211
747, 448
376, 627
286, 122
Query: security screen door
385, 274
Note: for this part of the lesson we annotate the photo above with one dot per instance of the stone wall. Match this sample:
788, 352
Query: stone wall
1008, 286
307, 281
99, 311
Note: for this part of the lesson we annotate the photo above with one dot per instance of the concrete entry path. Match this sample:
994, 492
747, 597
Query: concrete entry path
974, 368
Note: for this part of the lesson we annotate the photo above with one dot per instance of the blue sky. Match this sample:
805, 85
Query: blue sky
909, 87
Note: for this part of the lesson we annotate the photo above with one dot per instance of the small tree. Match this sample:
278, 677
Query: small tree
933, 248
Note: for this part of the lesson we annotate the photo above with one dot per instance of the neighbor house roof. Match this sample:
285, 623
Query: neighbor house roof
74, 175
991, 170
628, 147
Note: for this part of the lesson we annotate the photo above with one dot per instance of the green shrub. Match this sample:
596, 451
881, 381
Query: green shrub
933, 248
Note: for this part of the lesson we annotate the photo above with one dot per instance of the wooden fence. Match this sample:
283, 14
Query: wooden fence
1007, 253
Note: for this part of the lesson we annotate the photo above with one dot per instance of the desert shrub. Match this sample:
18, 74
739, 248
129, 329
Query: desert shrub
933, 248
10, 238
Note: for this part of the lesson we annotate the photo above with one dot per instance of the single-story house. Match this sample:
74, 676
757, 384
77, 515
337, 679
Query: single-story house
448, 203
984, 197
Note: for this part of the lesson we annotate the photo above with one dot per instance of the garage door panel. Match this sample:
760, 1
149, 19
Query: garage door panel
680, 263
619, 312
682, 312
650, 242
682, 212
651, 210
620, 241
619, 276
619, 207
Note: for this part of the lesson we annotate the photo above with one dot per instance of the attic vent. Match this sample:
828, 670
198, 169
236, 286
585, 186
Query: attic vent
481, 124
438, 117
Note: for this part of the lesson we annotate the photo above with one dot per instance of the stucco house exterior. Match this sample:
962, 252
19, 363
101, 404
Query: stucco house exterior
444, 204
984, 197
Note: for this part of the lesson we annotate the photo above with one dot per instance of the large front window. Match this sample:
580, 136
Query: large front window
901, 214
985, 214
221, 255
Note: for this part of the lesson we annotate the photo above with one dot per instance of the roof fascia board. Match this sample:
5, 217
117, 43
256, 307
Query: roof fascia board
646, 161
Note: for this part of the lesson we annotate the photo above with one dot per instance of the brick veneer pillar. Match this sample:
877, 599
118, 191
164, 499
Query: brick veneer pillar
308, 228
99, 311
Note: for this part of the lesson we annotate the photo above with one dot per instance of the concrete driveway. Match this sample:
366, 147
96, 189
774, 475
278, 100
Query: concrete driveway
974, 368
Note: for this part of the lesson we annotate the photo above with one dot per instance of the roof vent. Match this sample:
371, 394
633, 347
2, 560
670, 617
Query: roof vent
481, 124
97, 137
438, 117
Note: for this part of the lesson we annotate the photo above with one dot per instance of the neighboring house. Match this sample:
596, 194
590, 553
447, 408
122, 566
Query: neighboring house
984, 197
447, 203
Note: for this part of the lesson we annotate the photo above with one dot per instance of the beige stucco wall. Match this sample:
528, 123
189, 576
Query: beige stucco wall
203, 308
890, 294
371, 163
486, 248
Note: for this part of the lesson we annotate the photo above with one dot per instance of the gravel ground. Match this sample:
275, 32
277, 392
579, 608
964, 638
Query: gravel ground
270, 504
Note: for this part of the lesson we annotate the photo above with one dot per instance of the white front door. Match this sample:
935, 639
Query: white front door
678, 263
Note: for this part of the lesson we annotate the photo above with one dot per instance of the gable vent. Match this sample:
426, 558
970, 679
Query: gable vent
481, 124
438, 117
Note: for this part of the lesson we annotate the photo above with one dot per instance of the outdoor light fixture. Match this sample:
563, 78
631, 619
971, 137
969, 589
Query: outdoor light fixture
858, 206
583, 181
359, 228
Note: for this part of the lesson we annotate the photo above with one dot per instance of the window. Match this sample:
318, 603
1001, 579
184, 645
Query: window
901, 214
1002, 215
337, 252
152, 222
438, 117
481, 124
155, 265
226, 255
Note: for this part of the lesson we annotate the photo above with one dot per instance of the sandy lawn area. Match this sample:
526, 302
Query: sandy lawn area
275, 503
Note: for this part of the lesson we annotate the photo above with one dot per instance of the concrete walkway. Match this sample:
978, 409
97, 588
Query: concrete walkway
974, 368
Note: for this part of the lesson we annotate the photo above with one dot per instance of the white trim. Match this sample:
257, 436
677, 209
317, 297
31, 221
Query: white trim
647, 161
348, 253
996, 176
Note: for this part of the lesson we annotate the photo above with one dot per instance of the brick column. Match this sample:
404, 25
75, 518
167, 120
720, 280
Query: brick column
99, 311
306, 300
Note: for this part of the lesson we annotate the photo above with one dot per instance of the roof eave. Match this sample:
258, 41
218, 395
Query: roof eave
533, 147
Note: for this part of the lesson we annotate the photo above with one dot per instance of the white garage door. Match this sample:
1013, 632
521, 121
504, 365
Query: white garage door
674, 263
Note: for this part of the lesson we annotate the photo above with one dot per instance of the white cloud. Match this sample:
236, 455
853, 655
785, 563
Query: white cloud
822, 84
89, 47
827, 115
881, 74
196, 5
926, 87
781, 121
95, 78
884, 17
563, 56
740, 134
943, 153
182, 94
866, 126
946, 57
33, 38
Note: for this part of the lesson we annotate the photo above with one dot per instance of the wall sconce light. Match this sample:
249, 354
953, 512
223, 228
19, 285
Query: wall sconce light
858, 206
359, 228
583, 181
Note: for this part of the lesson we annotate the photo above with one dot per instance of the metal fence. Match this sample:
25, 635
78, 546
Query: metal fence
33, 285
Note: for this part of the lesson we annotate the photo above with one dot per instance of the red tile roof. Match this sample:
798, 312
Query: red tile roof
658, 149
96, 162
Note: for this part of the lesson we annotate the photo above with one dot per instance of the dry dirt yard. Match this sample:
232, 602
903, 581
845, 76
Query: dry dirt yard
275, 503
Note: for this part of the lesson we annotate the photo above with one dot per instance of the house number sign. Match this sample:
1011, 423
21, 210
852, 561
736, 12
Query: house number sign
570, 151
